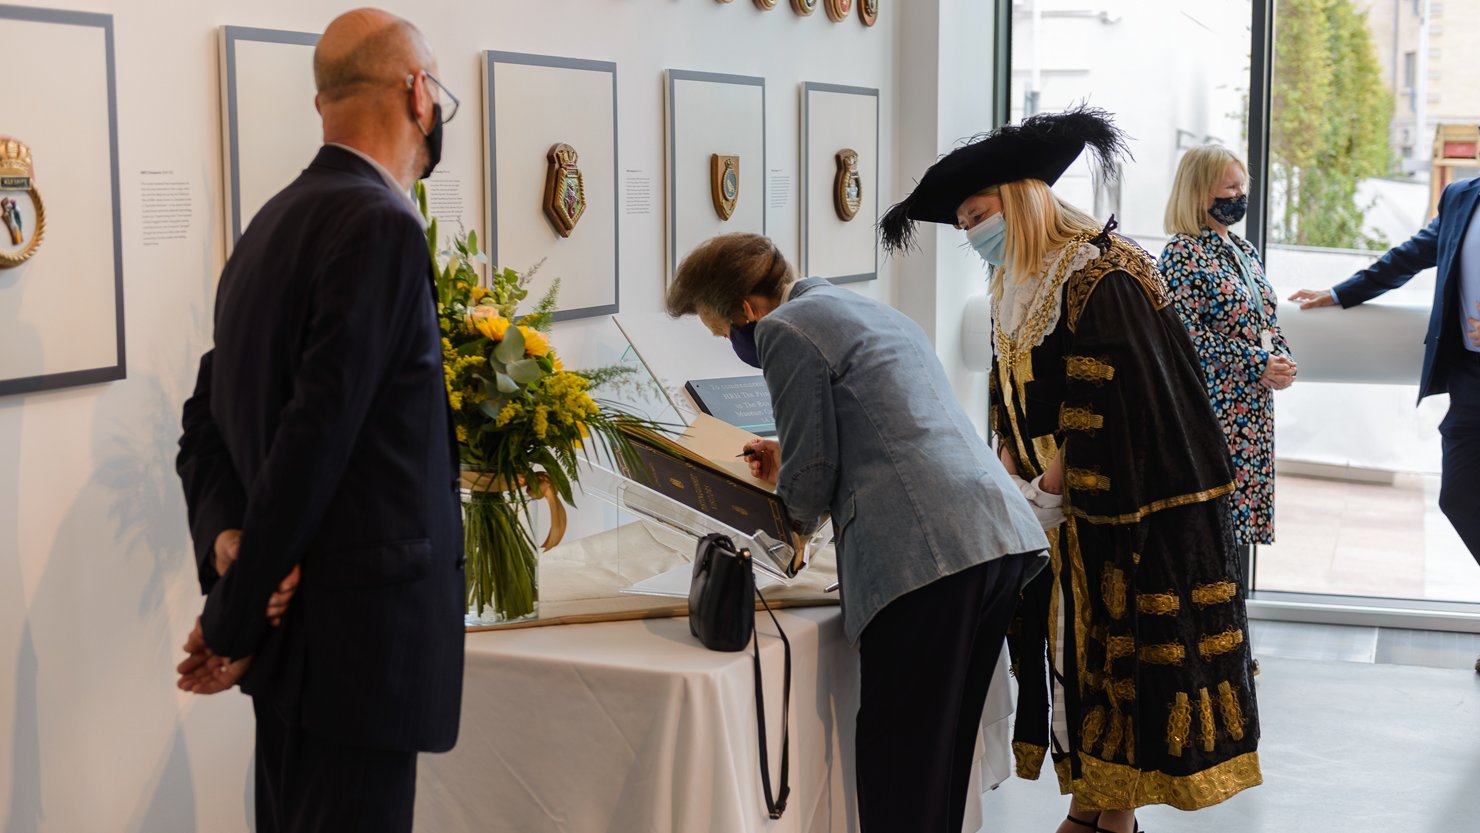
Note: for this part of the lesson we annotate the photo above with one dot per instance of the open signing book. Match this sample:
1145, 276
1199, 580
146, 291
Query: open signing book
699, 469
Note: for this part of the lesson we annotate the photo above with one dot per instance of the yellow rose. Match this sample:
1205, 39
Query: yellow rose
535, 343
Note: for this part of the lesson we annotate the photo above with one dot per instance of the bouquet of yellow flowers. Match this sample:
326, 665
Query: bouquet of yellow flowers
520, 417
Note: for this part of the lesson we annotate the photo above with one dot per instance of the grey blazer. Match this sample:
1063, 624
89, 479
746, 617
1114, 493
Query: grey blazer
871, 431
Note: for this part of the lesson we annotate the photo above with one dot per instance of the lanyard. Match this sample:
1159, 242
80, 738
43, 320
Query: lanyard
1251, 283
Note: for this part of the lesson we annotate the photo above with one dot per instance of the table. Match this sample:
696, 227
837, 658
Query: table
634, 726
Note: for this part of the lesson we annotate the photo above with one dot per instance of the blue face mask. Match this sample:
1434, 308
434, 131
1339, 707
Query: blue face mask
742, 339
988, 238
1229, 210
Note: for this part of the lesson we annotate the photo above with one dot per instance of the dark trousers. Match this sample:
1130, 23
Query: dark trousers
926, 661
306, 784
1459, 490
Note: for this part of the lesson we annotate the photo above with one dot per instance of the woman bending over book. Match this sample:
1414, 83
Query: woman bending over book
934, 540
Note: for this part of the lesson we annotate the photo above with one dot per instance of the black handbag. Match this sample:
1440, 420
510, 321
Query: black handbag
722, 598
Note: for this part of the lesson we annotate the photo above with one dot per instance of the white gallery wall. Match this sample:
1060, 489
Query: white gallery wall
97, 582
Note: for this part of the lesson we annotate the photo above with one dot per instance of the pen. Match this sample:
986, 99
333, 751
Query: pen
748, 453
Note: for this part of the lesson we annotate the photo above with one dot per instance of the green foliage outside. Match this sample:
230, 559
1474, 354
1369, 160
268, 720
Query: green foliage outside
1329, 124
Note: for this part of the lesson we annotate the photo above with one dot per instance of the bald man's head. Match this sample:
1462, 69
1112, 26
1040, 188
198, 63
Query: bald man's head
365, 49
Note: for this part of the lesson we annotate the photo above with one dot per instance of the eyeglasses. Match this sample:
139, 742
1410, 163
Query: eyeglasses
447, 112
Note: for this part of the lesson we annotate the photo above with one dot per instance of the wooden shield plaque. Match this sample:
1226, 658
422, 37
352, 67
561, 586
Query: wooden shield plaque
847, 185
724, 184
565, 189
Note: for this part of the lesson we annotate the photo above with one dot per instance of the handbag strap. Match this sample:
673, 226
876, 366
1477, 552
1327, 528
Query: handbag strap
775, 805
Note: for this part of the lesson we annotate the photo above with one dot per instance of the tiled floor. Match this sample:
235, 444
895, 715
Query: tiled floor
1365, 539
1350, 741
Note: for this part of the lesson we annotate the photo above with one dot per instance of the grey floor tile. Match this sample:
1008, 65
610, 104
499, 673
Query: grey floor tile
1293, 640
1345, 746
1435, 649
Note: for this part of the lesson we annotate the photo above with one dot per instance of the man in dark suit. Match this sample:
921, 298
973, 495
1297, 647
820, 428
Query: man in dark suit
319, 428
1451, 360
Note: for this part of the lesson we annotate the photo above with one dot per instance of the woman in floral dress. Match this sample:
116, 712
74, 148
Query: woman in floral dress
1218, 286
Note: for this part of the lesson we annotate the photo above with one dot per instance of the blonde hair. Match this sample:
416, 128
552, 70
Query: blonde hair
1198, 174
1037, 222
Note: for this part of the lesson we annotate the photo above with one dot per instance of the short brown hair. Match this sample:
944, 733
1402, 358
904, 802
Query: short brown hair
717, 275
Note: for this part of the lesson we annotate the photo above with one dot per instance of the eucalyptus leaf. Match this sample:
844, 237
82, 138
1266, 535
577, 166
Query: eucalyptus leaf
507, 385
525, 371
511, 349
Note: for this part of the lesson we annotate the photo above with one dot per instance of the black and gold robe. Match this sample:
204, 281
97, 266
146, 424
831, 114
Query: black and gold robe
1155, 669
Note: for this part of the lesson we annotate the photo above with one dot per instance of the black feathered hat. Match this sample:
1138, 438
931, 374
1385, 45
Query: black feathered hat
1041, 147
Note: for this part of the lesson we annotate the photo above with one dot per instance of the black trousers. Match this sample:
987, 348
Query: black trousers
1459, 489
306, 784
926, 661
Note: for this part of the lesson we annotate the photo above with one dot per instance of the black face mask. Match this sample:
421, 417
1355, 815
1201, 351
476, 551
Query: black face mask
433, 142
742, 339
1229, 210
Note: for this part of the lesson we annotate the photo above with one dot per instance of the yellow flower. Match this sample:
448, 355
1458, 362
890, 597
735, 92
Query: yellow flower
509, 411
559, 365
541, 421
535, 343
462, 434
492, 327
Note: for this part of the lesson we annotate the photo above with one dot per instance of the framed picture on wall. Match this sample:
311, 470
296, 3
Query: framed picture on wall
268, 122
61, 245
551, 186
840, 182
715, 152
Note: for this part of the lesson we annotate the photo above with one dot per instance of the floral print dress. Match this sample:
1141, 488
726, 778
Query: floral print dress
1208, 289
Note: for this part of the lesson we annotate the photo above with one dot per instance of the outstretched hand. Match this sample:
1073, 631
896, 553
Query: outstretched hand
1312, 298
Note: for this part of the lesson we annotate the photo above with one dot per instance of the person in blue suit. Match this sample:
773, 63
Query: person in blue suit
319, 444
1451, 361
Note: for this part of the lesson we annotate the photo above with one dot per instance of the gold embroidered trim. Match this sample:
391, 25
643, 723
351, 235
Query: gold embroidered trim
1205, 716
1170, 653
1150, 508
1130, 741
1217, 593
1117, 647
1079, 419
1028, 758
1094, 724
1158, 604
1112, 786
1079, 587
1119, 256
1179, 725
1088, 369
1136, 558
1085, 480
1233, 714
1112, 587
1114, 736
1221, 643
1121, 691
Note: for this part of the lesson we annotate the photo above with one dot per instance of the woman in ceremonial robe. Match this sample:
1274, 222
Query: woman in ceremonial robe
1132, 651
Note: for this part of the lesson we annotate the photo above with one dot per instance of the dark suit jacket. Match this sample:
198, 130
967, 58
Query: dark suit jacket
319, 426
1438, 245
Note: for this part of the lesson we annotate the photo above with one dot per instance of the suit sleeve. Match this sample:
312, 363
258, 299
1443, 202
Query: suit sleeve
371, 286
214, 498
1192, 288
1397, 267
800, 384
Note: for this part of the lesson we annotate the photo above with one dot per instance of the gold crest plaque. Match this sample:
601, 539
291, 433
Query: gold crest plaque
766, 5
804, 7
838, 10
847, 185
868, 11
22, 214
724, 184
565, 189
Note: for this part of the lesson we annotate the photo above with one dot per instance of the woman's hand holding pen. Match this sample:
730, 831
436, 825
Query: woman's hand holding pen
764, 457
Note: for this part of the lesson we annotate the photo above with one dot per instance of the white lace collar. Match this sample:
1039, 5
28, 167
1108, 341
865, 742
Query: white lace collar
1041, 292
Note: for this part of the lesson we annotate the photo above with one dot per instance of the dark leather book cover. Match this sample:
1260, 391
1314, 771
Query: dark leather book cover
699, 486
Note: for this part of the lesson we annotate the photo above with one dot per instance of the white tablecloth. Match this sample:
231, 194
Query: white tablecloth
631, 727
